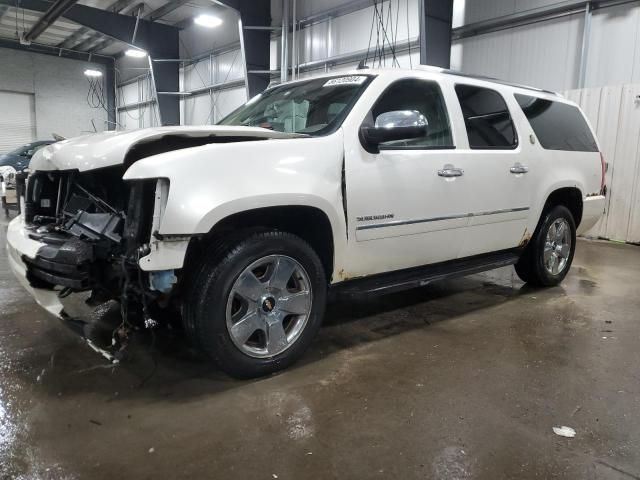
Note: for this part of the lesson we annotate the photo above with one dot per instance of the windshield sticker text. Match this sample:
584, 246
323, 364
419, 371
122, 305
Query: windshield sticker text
350, 80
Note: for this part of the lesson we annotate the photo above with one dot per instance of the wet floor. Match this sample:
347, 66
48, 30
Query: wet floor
461, 379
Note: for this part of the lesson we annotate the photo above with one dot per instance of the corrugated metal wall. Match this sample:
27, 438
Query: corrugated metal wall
614, 112
207, 106
325, 39
58, 86
136, 104
547, 54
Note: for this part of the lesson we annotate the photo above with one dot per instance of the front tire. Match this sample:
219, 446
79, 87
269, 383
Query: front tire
255, 304
548, 256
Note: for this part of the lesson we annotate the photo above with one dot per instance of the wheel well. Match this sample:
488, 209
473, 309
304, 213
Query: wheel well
571, 198
309, 223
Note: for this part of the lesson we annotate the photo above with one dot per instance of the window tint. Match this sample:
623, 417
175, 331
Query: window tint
486, 117
557, 125
426, 98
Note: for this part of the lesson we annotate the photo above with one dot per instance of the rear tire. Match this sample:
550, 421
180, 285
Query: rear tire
548, 256
255, 304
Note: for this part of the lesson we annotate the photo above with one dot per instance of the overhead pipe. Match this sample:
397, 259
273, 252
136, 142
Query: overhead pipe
294, 45
284, 43
56, 10
135, 29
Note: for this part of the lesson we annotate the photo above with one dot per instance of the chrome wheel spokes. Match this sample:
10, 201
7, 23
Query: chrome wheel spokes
269, 306
557, 246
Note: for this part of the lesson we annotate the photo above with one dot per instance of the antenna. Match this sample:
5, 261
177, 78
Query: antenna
361, 64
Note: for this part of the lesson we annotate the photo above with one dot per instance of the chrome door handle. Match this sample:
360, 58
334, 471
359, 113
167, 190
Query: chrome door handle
517, 168
450, 172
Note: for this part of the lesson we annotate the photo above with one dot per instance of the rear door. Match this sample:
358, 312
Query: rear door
498, 166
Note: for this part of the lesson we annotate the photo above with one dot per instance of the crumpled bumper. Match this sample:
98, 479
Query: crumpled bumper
19, 244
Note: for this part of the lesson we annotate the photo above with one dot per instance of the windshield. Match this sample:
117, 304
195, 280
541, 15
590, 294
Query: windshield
315, 107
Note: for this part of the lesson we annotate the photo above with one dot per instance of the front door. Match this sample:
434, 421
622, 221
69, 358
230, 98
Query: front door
403, 201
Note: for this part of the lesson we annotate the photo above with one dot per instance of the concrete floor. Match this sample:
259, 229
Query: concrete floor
461, 379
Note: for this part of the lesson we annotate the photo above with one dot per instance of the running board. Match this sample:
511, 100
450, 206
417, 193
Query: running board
420, 276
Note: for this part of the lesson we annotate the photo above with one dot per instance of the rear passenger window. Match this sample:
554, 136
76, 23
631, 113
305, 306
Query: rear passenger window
557, 125
486, 117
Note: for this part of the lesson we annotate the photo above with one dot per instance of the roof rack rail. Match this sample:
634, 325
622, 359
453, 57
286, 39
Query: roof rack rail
430, 68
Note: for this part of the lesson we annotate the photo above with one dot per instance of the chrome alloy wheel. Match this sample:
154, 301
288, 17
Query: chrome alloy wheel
557, 246
269, 306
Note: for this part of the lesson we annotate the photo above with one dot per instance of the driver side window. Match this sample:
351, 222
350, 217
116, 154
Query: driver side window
425, 97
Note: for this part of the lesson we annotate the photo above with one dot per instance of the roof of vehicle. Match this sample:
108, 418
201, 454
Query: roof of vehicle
432, 70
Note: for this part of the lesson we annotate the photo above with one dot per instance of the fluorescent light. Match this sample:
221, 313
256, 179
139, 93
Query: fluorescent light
89, 72
208, 21
135, 53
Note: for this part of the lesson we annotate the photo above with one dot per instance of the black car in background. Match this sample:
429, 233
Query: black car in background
19, 158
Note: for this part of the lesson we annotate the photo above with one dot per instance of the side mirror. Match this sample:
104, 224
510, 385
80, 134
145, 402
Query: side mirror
394, 125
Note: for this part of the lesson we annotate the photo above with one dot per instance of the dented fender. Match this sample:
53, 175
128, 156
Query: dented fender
209, 183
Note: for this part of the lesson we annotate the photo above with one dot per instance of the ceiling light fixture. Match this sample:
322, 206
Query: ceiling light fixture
209, 21
135, 53
90, 72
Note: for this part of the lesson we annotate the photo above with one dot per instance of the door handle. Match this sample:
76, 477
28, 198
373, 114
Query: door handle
450, 171
517, 168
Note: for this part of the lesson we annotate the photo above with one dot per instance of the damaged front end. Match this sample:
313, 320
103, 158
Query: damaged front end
94, 228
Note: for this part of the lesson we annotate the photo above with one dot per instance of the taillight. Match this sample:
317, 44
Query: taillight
603, 183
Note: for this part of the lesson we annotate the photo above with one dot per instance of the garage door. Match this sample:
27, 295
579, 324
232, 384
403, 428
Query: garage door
17, 120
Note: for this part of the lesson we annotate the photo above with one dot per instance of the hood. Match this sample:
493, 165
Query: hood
99, 150
10, 160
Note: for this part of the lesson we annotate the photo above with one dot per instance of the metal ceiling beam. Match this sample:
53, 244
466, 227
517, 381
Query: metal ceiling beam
557, 10
151, 36
152, 16
164, 10
88, 44
104, 43
435, 32
52, 50
119, 5
54, 12
255, 44
160, 41
75, 39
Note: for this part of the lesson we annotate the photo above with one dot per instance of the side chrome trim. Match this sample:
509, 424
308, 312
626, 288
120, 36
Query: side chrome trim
398, 223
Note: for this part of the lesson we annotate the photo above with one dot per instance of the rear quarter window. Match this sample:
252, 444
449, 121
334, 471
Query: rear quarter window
557, 125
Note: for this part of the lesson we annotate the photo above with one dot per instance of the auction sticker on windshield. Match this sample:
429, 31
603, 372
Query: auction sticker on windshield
350, 80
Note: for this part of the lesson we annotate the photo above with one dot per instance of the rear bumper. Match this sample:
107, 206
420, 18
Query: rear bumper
19, 245
592, 210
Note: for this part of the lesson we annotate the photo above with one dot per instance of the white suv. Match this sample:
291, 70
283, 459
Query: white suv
370, 181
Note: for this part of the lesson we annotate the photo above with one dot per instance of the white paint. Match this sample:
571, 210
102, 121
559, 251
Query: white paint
18, 244
100, 150
209, 183
307, 171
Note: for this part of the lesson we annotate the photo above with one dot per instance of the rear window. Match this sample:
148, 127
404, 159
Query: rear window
557, 125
